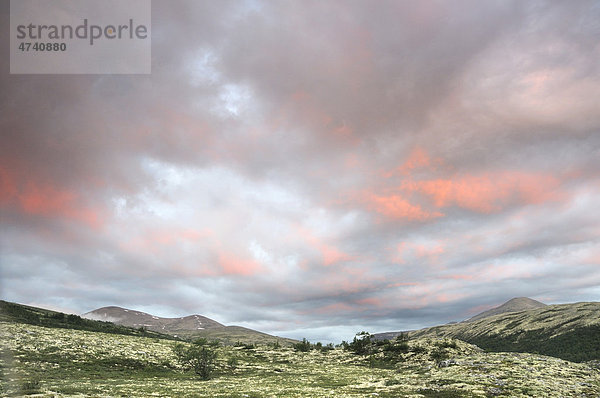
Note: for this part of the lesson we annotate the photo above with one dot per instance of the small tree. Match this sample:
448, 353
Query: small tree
303, 346
361, 344
199, 356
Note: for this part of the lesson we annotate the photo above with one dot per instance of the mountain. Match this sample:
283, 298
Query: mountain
137, 319
188, 327
567, 331
513, 305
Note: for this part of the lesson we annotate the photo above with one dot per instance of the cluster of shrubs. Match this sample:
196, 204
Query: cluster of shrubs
251, 346
386, 353
440, 352
305, 346
245, 346
365, 344
381, 353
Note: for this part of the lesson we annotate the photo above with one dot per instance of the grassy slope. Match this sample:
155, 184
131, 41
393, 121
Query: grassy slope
230, 335
13, 312
66, 362
567, 331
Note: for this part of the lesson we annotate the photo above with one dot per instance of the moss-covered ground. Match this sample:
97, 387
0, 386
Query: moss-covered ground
52, 362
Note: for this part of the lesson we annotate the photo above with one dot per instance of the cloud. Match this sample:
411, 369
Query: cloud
39, 199
394, 206
312, 169
489, 192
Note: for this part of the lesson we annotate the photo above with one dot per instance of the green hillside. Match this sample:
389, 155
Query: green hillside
567, 331
13, 312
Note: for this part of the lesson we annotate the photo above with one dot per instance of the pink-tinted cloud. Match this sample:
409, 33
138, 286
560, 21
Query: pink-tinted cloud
37, 198
418, 159
394, 206
423, 251
330, 255
370, 301
232, 264
413, 194
488, 192
485, 192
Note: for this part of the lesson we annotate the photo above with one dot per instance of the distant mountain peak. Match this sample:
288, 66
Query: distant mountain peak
133, 318
522, 300
513, 305
189, 327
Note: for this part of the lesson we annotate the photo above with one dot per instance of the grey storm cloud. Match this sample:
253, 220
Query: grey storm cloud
313, 168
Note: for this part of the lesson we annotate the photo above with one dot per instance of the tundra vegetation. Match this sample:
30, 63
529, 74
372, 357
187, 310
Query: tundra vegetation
66, 362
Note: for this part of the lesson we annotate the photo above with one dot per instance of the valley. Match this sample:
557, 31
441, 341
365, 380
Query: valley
55, 360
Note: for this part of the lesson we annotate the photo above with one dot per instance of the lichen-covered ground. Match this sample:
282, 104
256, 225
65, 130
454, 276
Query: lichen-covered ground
59, 363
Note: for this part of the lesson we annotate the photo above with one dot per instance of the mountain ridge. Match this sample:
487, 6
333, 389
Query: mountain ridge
515, 304
187, 327
134, 318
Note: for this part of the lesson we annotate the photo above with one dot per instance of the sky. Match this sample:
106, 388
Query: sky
313, 168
